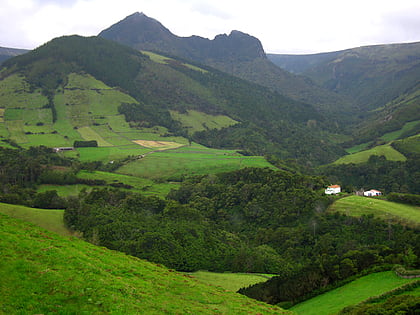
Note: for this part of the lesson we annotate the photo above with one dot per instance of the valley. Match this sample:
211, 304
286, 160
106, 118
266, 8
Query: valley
144, 172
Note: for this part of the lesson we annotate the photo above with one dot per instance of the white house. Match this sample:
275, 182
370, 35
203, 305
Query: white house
372, 193
333, 189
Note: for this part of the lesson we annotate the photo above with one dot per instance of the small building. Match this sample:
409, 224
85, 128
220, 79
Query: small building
61, 149
372, 193
333, 189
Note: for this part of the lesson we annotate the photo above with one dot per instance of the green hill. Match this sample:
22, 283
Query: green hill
75, 88
385, 210
45, 273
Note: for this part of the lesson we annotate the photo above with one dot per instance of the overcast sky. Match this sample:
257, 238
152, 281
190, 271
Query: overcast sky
283, 26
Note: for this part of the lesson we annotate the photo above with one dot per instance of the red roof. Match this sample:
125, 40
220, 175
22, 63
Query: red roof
334, 186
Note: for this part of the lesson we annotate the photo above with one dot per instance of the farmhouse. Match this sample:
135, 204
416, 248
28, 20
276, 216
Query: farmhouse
333, 189
372, 193
60, 149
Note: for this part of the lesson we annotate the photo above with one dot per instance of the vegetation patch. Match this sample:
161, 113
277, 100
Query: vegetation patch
351, 293
194, 120
48, 219
229, 280
385, 210
363, 156
167, 60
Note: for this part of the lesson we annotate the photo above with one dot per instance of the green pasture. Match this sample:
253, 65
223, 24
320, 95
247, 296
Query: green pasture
65, 190
166, 60
88, 133
51, 220
188, 161
16, 132
363, 156
358, 148
107, 154
198, 121
44, 273
228, 280
390, 136
85, 82
24, 99
352, 293
49, 140
385, 210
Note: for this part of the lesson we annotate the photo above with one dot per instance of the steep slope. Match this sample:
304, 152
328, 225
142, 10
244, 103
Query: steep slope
6, 53
45, 273
268, 122
238, 54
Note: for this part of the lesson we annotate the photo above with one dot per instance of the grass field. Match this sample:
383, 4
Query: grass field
51, 220
230, 281
363, 156
44, 273
165, 60
190, 160
197, 121
352, 293
385, 210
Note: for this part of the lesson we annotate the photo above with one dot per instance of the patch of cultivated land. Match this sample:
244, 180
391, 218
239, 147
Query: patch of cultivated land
43, 273
385, 210
352, 293
158, 144
363, 156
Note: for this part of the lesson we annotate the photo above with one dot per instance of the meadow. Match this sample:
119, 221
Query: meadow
191, 160
43, 273
228, 280
51, 220
382, 209
352, 293
363, 156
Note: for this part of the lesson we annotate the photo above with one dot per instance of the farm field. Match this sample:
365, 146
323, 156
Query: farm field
189, 160
352, 293
70, 276
363, 156
385, 210
48, 219
229, 281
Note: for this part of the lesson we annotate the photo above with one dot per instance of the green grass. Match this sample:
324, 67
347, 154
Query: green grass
350, 294
88, 133
48, 219
363, 156
166, 60
390, 136
358, 148
197, 121
43, 273
385, 210
228, 280
190, 160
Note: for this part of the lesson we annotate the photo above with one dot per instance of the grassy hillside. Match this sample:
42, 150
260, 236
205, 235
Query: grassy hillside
45, 273
190, 160
351, 293
385, 210
230, 281
363, 156
51, 220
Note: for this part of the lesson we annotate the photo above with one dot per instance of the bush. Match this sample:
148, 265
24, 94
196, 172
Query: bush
85, 144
